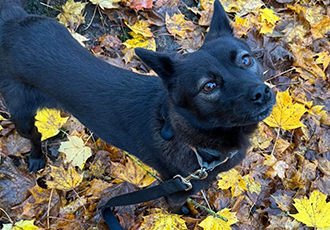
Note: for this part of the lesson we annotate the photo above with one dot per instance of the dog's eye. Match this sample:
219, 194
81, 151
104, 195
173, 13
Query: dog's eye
209, 87
246, 61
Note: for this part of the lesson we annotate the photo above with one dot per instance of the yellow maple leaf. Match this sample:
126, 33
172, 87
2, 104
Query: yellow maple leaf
314, 212
76, 152
132, 173
25, 225
139, 40
106, 4
285, 114
72, 14
320, 114
215, 223
178, 26
267, 20
241, 25
49, 122
141, 27
298, 9
228, 179
320, 28
269, 16
323, 58
64, 179
162, 220
237, 184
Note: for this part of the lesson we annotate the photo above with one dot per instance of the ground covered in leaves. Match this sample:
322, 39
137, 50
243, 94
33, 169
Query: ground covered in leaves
283, 183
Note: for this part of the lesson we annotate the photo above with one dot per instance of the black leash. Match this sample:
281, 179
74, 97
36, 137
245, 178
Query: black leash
164, 189
177, 184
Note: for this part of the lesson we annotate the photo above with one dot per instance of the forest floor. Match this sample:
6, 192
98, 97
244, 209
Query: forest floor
284, 182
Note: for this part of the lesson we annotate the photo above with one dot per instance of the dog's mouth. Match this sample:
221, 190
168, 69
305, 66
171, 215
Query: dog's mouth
262, 115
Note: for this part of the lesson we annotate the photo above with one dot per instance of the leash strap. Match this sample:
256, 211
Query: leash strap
177, 184
164, 189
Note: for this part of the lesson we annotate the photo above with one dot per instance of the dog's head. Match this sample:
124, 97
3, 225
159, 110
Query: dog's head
220, 85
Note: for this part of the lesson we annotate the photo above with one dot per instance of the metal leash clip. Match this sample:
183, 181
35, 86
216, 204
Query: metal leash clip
199, 174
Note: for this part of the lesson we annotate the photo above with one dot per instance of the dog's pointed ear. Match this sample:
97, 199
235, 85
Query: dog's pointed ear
161, 63
220, 25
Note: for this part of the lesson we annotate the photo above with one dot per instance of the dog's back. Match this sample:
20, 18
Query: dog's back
11, 9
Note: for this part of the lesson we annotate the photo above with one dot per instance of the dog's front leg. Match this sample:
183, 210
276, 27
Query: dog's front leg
26, 128
22, 102
177, 203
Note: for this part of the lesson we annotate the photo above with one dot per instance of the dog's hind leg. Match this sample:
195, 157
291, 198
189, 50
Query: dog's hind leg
23, 102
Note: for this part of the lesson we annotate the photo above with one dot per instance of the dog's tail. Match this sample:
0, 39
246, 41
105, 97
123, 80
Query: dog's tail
11, 9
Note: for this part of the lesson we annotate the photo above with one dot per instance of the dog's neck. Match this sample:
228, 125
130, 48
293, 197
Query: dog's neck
219, 140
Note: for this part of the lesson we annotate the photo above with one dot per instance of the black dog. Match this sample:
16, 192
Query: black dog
208, 101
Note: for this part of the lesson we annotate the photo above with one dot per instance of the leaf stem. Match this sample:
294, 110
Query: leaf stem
10, 220
207, 210
139, 164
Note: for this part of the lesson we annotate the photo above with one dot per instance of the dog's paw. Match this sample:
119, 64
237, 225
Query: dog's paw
36, 164
185, 210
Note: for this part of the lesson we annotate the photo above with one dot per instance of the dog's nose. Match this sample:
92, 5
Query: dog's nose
261, 94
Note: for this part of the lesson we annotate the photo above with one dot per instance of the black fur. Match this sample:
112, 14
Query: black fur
41, 65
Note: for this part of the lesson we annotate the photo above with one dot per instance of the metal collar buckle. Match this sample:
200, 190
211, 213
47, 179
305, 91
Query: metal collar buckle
199, 174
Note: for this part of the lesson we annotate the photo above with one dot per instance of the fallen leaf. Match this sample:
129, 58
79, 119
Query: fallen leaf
72, 207
140, 41
323, 58
162, 220
132, 173
142, 28
49, 122
283, 199
72, 14
228, 179
178, 26
281, 145
314, 212
79, 38
320, 28
7, 227
25, 225
106, 4
260, 139
267, 20
279, 169
241, 25
14, 145
238, 184
41, 201
64, 179
215, 223
14, 183
140, 4
285, 114
75, 151
305, 58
